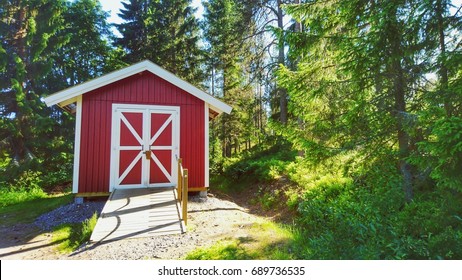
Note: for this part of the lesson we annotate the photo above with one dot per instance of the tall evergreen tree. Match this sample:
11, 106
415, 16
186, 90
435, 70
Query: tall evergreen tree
86, 55
232, 58
28, 37
88, 52
166, 32
360, 80
134, 30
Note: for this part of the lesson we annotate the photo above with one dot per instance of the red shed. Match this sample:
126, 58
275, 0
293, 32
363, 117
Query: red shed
132, 124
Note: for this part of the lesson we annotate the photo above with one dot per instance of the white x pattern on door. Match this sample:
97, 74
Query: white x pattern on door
144, 146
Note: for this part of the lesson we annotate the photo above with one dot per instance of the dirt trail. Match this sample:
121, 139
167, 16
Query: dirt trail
25, 241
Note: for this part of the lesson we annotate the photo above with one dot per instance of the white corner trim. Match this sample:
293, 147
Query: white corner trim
207, 147
78, 129
62, 96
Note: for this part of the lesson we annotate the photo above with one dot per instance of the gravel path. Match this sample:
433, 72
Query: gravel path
208, 222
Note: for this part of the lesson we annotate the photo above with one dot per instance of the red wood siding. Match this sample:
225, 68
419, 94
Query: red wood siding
143, 88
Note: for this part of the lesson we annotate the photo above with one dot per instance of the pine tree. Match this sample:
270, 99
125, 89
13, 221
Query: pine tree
359, 81
88, 52
165, 32
28, 38
227, 24
134, 30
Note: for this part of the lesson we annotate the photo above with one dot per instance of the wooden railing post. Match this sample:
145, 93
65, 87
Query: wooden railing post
180, 180
184, 203
182, 190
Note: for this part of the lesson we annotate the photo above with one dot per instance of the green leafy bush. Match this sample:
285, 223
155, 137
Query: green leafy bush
442, 153
267, 199
352, 206
367, 218
261, 166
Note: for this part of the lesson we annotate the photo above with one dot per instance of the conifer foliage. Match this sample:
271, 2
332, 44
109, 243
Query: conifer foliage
46, 46
165, 32
28, 37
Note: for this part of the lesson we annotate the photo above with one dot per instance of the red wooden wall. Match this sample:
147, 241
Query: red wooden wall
142, 88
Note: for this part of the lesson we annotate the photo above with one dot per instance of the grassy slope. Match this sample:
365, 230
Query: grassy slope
257, 182
265, 240
25, 206
69, 237
27, 211
341, 214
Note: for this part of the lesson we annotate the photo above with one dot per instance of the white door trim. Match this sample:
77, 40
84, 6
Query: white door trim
145, 140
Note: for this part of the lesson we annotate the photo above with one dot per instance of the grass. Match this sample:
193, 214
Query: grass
24, 205
69, 237
265, 240
229, 186
11, 196
226, 249
27, 210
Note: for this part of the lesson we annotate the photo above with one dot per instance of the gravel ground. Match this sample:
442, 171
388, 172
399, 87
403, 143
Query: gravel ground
208, 222
71, 213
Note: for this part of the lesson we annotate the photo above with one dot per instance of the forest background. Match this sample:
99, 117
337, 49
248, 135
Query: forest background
354, 106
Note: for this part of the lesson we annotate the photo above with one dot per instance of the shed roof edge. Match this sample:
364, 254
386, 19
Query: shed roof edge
117, 75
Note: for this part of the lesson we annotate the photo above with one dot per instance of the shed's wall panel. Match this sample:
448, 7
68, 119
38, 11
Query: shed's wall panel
143, 88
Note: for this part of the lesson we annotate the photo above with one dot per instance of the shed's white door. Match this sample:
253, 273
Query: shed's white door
144, 146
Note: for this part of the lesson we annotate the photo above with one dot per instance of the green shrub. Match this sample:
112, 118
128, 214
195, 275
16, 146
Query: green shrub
262, 166
339, 222
55, 169
442, 153
292, 198
267, 199
62, 175
353, 207
367, 218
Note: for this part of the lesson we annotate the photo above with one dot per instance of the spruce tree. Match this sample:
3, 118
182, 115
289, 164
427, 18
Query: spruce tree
134, 30
88, 51
28, 37
165, 32
363, 68
227, 24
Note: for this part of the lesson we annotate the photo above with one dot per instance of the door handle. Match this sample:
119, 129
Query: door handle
148, 154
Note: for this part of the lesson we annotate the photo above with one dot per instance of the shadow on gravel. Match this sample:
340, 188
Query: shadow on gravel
22, 250
216, 209
21, 225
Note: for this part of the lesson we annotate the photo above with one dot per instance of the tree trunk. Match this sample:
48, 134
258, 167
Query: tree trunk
298, 29
281, 60
443, 71
399, 85
19, 37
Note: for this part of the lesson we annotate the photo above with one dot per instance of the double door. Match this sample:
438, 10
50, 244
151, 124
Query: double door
144, 146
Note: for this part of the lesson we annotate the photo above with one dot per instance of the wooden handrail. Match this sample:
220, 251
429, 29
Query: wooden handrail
184, 197
182, 190
180, 179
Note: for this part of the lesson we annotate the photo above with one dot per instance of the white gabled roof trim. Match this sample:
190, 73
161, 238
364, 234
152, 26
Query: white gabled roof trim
63, 96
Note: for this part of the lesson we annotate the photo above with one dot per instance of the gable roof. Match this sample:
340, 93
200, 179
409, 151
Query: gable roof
68, 96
